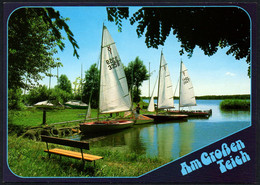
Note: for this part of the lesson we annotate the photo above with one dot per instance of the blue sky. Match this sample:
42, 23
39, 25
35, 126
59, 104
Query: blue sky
219, 74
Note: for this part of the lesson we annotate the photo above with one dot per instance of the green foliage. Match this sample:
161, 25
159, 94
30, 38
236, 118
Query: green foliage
91, 86
116, 15
58, 95
221, 97
235, 105
15, 99
209, 28
33, 34
77, 87
64, 83
37, 94
33, 117
136, 95
117, 162
136, 73
42, 93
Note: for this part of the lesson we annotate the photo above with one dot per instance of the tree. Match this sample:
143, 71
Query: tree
91, 86
33, 34
136, 73
209, 28
42, 93
64, 83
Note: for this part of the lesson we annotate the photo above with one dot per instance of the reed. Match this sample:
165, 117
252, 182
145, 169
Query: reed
235, 104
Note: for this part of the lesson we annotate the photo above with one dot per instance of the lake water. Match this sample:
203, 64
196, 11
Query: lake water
173, 140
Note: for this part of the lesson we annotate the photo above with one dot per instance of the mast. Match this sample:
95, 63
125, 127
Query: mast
100, 71
159, 84
180, 87
50, 80
149, 81
81, 83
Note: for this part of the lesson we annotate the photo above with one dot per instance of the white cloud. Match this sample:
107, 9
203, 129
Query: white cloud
230, 74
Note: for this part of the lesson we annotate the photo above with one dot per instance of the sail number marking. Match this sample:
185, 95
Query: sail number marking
113, 63
186, 80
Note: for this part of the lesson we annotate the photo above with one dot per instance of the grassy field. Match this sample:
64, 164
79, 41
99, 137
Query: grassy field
235, 104
27, 159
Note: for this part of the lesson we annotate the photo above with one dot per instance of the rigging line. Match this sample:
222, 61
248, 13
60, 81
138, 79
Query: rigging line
108, 44
176, 86
155, 84
91, 92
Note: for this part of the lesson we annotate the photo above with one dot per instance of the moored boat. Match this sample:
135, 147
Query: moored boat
76, 104
167, 117
114, 95
165, 96
187, 97
105, 126
192, 113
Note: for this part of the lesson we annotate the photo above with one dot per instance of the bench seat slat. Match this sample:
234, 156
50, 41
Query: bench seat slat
73, 154
66, 142
94, 157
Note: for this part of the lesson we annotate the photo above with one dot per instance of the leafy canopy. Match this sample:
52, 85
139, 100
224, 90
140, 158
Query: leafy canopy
209, 28
33, 36
91, 86
136, 73
64, 83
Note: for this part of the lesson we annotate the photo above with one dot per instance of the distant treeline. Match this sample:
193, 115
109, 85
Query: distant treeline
215, 97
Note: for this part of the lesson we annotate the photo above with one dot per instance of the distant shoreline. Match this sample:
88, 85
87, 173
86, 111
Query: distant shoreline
215, 97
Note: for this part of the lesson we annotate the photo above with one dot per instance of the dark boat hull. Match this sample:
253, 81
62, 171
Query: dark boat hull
104, 126
192, 113
164, 118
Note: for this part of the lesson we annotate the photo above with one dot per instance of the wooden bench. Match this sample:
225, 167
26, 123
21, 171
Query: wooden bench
66, 142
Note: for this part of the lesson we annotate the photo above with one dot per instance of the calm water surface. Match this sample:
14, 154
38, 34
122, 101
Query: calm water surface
173, 140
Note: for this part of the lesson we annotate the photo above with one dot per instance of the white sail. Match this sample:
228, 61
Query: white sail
165, 91
151, 105
89, 111
114, 95
187, 97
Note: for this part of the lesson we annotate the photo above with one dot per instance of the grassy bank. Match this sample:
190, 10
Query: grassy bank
27, 159
235, 105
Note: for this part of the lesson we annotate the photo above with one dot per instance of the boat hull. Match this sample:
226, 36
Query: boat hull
164, 118
104, 126
196, 113
76, 106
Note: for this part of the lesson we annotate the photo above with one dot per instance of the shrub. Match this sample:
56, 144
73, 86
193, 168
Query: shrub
42, 93
235, 104
15, 99
37, 94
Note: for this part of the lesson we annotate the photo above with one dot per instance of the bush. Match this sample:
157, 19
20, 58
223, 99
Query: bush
235, 104
37, 94
15, 99
42, 93
58, 95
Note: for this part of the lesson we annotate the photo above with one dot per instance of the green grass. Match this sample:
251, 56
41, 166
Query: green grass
27, 159
235, 105
33, 117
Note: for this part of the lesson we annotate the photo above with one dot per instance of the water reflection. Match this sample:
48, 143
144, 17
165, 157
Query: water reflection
173, 140
235, 114
165, 140
186, 137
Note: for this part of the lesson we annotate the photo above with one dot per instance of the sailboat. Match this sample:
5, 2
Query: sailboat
114, 95
165, 95
186, 96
